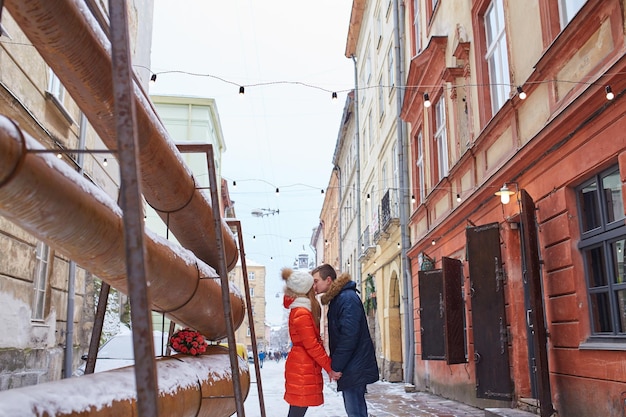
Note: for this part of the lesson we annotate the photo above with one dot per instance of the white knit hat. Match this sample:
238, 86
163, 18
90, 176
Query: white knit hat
300, 282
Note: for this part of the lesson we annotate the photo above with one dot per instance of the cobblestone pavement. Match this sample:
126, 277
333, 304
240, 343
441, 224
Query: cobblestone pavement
384, 399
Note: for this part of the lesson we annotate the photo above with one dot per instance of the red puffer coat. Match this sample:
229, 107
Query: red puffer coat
303, 369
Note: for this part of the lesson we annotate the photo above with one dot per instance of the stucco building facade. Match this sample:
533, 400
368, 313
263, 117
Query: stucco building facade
526, 99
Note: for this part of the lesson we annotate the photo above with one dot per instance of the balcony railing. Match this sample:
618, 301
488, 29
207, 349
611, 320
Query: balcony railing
389, 213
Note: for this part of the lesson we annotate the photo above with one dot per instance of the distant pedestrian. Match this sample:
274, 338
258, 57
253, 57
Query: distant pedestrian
261, 358
351, 347
303, 369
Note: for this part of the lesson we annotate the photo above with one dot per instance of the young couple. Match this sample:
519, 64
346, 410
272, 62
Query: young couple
352, 361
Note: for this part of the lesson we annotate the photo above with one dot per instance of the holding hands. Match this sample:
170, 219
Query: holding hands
334, 375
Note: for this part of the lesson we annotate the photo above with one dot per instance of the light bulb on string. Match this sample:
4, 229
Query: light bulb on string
521, 93
426, 100
609, 93
242, 91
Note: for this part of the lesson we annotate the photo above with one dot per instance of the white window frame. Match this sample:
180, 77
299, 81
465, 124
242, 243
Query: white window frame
568, 9
441, 138
420, 166
391, 71
497, 55
381, 98
40, 281
250, 275
417, 26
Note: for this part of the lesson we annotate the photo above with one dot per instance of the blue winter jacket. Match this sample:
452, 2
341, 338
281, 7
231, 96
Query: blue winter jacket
351, 348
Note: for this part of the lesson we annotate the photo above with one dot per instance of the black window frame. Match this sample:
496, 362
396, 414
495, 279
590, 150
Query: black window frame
602, 238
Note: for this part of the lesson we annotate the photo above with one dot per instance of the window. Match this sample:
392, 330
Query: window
55, 88
416, 27
381, 98
441, 139
391, 69
383, 173
250, 275
40, 280
497, 55
420, 166
370, 128
602, 245
368, 69
251, 291
568, 9
379, 29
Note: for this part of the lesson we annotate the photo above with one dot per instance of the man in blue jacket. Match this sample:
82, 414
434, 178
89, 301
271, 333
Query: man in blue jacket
351, 348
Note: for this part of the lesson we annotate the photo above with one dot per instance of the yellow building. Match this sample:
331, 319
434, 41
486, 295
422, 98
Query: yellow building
256, 288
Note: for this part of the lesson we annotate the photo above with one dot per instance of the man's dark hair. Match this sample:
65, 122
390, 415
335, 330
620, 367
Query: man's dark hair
325, 271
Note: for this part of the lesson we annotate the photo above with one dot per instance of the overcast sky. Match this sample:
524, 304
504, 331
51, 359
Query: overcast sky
289, 56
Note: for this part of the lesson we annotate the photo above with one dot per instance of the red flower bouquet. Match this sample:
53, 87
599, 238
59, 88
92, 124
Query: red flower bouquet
188, 341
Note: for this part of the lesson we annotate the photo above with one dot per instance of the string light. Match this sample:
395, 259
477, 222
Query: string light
59, 155
398, 245
334, 95
458, 198
277, 191
234, 184
105, 162
609, 93
413, 199
433, 242
241, 90
426, 100
322, 191
153, 78
368, 197
521, 93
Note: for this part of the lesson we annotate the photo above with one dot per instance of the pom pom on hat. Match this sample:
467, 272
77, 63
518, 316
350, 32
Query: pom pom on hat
299, 282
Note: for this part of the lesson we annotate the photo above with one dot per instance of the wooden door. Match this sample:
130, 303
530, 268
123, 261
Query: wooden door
491, 354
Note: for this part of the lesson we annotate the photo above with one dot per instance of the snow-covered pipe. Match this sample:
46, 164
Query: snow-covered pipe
188, 386
46, 197
72, 43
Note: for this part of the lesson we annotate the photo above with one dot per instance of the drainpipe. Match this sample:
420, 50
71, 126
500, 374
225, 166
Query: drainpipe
407, 298
339, 197
71, 279
358, 171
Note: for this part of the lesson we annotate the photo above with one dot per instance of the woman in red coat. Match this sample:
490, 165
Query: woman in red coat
303, 369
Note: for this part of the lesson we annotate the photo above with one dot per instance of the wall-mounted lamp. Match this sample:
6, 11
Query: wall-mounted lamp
505, 194
426, 100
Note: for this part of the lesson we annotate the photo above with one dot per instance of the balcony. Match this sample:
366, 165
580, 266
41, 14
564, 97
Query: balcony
389, 213
368, 248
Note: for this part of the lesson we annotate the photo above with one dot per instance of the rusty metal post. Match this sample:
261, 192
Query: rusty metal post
94, 343
244, 270
131, 204
223, 272
222, 269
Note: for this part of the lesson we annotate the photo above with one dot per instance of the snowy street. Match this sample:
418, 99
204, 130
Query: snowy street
384, 399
